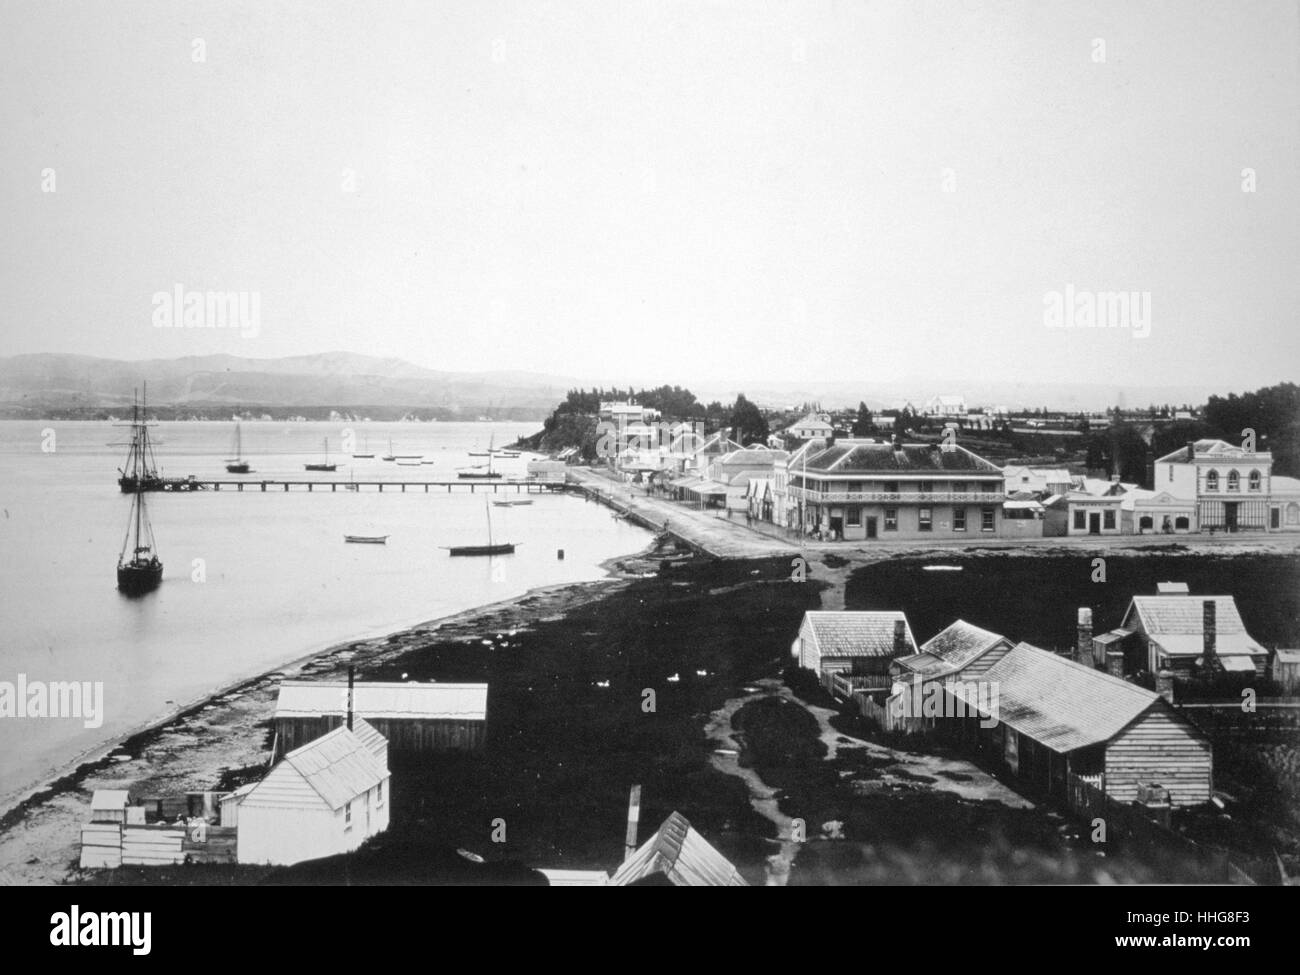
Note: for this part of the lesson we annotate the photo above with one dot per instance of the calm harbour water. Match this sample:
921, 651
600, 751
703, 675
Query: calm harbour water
279, 580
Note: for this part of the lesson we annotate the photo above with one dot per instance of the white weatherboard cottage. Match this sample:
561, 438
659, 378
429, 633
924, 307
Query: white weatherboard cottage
325, 798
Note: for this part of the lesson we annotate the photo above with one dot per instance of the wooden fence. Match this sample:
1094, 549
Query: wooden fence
116, 845
1130, 826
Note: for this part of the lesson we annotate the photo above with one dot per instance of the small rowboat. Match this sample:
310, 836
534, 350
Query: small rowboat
512, 502
366, 539
501, 548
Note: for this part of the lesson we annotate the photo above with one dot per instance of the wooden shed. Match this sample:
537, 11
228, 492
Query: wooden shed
108, 806
324, 798
1286, 670
1058, 718
959, 649
412, 717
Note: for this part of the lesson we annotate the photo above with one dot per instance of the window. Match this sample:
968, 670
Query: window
925, 487
379, 793
959, 487
1108, 518
1171, 472
347, 816
891, 487
1212, 481
924, 518
959, 519
1182, 523
1146, 523
1080, 519
854, 515
1254, 480
987, 523
891, 519
1234, 481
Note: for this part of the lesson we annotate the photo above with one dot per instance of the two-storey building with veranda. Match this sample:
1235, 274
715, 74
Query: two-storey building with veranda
863, 489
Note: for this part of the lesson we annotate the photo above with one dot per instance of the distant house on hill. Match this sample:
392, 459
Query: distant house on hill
946, 406
677, 856
325, 798
811, 427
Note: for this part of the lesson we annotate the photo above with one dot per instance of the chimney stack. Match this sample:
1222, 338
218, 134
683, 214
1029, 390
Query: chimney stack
1165, 685
1115, 663
901, 648
351, 679
1191, 451
633, 819
1083, 643
1209, 641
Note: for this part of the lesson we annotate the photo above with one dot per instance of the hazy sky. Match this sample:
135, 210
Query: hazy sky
660, 191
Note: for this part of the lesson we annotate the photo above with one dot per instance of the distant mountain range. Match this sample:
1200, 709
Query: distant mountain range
45, 381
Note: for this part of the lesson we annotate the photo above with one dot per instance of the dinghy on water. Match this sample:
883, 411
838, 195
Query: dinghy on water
366, 539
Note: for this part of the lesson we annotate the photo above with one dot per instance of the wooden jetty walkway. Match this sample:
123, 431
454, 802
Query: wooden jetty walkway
261, 485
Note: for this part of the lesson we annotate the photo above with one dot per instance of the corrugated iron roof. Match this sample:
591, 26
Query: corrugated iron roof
1288, 656
373, 699
1176, 624
682, 855
109, 799
1057, 702
960, 643
338, 766
847, 633
855, 457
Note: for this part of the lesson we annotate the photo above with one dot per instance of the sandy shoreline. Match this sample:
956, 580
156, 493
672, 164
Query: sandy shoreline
193, 746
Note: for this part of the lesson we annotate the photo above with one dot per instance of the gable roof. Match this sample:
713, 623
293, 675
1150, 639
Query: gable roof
851, 633
682, 856
1058, 703
338, 766
378, 699
1176, 623
961, 643
860, 456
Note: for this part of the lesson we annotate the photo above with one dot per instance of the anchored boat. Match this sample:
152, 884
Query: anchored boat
237, 465
491, 548
324, 465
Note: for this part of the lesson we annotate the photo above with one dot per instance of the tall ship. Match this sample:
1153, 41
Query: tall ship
139, 570
140, 472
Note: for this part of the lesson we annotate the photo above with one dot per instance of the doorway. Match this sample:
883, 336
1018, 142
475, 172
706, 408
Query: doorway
1094, 523
1230, 515
871, 526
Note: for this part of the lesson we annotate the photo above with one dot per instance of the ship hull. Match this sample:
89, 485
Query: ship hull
137, 578
503, 549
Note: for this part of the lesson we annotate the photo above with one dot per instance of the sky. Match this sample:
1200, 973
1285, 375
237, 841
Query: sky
662, 191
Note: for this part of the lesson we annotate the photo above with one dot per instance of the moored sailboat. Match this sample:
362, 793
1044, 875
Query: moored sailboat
491, 548
324, 465
237, 465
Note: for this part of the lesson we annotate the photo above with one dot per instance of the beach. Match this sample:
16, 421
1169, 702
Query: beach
568, 666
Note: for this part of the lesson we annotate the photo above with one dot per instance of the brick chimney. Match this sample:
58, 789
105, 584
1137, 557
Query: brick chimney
1209, 634
1115, 663
1083, 641
901, 648
1191, 451
1165, 685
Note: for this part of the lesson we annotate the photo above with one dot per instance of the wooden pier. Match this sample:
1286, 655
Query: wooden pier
472, 485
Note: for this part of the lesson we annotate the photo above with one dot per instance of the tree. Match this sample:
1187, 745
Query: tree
862, 425
748, 425
903, 422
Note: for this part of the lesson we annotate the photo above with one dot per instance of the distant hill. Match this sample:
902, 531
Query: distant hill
45, 381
